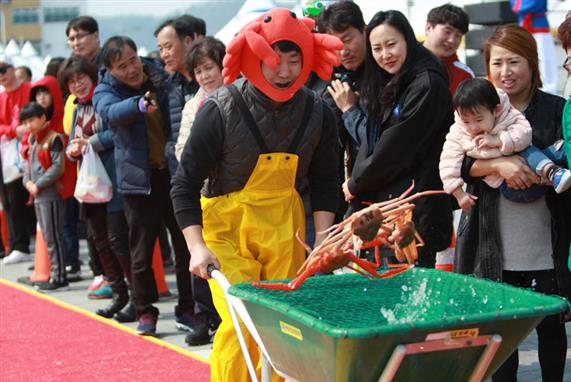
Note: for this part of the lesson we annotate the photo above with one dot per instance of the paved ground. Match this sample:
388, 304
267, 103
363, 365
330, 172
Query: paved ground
529, 370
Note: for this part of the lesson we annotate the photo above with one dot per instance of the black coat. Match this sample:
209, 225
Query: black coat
406, 146
479, 248
180, 92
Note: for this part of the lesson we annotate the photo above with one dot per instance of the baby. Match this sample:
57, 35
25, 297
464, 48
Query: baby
487, 126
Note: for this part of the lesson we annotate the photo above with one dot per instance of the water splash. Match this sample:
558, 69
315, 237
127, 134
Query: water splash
413, 308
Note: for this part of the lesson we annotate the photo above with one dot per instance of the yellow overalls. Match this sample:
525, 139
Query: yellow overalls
252, 233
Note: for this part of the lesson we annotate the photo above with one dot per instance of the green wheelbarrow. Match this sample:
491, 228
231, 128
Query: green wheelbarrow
422, 324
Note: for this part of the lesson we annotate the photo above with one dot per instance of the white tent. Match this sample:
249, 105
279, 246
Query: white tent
12, 49
28, 50
249, 11
32, 59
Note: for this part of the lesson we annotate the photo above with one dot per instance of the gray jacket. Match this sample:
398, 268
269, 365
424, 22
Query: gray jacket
45, 179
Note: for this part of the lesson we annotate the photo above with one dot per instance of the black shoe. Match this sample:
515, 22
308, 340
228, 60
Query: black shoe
187, 321
51, 286
26, 280
127, 314
203, 332
73, 273
31, 267
118, 302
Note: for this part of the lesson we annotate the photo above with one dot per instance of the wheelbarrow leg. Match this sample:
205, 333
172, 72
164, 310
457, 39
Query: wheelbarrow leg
266, 369
486, 358
491, 343
242, 341
225, 284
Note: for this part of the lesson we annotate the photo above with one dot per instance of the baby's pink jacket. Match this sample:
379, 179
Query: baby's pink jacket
511, 127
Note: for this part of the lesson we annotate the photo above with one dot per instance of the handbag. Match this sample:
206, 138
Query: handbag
12, 164
93, 183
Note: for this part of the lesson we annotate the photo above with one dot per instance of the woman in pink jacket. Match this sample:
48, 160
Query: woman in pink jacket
487, 126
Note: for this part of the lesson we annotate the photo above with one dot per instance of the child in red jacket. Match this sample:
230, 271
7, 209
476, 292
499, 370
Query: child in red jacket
42, 179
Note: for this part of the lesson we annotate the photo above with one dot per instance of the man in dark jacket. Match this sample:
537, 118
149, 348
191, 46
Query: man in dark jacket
344, 20
174, 36
133, 99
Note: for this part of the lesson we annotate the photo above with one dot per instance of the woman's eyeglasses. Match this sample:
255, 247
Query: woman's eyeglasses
567, 63
4, 69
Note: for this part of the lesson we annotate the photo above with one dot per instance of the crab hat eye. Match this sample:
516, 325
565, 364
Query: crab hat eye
293, 15
267, 19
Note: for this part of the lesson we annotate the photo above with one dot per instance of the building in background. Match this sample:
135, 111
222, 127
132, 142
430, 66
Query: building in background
55, 16
41, 22
21, 20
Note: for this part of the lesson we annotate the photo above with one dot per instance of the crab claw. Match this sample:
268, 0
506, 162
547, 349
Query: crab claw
233, 57
262, 49
327, 42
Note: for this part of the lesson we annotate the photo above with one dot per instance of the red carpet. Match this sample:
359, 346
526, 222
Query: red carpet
41, 341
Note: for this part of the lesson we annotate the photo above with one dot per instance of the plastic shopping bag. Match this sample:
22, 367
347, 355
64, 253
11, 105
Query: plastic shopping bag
12, 164
93, 184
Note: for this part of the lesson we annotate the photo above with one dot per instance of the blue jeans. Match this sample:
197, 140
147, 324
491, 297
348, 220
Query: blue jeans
537, 160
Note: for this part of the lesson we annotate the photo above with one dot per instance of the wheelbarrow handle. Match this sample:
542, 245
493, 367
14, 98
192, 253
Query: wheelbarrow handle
210, 268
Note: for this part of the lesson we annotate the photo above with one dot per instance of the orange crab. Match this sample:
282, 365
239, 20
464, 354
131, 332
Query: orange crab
253, 45
387, 223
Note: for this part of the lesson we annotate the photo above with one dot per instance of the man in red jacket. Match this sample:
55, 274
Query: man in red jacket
14, 196
445, 27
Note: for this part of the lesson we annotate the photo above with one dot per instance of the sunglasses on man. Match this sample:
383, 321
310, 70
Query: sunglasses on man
4, 69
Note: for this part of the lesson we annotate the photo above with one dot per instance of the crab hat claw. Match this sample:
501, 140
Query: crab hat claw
253, 45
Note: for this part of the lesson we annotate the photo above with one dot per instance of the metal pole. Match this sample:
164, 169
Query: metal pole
3, 22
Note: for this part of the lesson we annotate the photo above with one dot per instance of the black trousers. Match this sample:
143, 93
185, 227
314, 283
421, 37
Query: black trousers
551, 335
144, 213
15, 198
118, 233
97, 227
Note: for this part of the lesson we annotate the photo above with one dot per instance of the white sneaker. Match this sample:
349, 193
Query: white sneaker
17, 257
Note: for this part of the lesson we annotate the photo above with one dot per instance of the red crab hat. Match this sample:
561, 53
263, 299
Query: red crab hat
253, 45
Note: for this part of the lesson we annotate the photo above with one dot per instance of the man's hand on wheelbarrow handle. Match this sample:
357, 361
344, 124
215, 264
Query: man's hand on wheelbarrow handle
210, 268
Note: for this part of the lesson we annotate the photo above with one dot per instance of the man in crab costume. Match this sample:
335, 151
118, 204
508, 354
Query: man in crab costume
260, 143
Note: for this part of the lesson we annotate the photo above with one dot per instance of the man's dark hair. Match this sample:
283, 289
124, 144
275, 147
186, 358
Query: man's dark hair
474, 93
26, 69
185, 25
286, 46
52, 68
85, 23
113, 48
339, 16
208, 47
449, 14
76, 65
31, 110
198, 24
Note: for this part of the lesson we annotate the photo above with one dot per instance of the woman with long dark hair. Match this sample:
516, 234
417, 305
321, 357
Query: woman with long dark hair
409, 112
